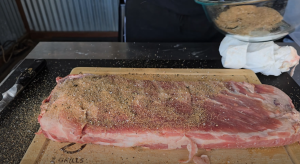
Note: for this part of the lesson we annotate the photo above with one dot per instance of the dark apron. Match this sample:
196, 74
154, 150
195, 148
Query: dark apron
168, 21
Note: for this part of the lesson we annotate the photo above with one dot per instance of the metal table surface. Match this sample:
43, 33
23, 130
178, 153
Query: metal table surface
18, 122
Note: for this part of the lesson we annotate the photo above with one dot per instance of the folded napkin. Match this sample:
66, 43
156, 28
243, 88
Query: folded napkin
266, 57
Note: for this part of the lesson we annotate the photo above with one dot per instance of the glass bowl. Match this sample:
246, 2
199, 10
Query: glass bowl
249, 20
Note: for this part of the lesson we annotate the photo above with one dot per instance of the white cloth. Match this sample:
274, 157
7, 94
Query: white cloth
266, 57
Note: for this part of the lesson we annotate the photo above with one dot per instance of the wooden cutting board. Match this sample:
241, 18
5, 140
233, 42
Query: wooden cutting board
43, 150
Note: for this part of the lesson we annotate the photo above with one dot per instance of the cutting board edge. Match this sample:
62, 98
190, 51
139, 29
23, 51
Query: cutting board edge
30, 157
185, 71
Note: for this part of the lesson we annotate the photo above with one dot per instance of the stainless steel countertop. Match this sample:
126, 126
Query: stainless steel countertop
117, 50
134, 51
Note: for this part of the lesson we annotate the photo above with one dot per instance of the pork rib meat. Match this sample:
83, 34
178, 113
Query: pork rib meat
113, 110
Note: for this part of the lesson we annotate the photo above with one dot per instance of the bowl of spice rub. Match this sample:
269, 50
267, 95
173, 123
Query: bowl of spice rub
249, 20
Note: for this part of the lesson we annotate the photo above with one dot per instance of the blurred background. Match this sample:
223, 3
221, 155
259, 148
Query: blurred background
24, 23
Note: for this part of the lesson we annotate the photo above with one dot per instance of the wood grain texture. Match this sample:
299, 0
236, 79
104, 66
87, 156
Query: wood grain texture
43, 150
294, 152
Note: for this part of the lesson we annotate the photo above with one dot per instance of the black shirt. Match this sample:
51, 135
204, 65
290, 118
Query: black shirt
168, 21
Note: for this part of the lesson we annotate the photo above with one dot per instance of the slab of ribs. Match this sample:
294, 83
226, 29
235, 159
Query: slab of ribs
113, 110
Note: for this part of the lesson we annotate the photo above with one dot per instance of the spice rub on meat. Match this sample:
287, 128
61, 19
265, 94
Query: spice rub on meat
114, 103
113, 110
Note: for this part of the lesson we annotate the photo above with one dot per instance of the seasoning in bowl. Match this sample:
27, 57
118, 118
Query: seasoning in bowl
244, 19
